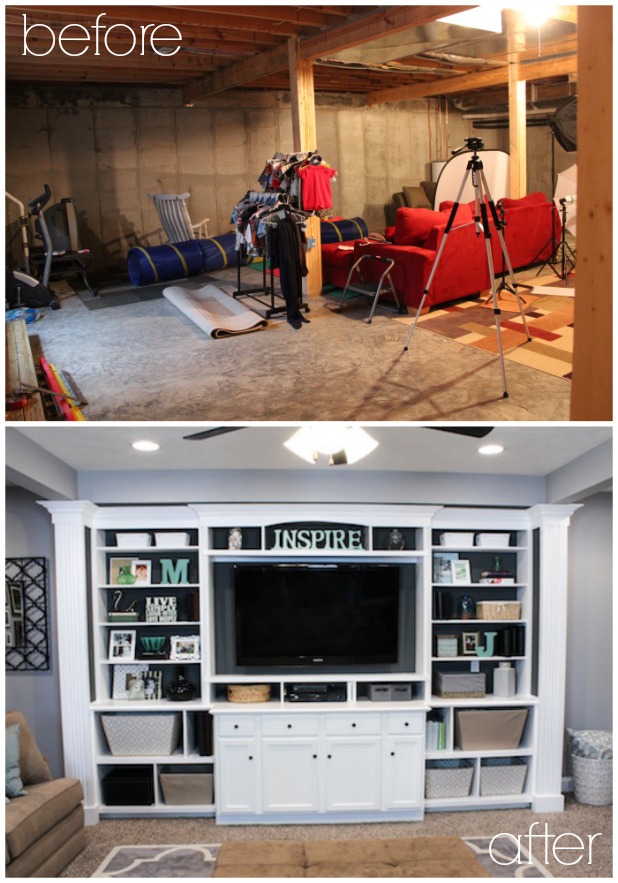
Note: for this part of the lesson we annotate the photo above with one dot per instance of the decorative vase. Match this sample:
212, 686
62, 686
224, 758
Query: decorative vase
504, 680
395, 541
125, 577
180, 690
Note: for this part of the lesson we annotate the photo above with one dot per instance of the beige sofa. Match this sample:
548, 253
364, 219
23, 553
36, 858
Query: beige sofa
44, 825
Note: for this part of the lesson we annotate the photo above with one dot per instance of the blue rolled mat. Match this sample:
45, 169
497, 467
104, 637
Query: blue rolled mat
343, 231
159, 263
219, 252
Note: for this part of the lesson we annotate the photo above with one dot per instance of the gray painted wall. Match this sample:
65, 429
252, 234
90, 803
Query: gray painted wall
29, 534
108, 147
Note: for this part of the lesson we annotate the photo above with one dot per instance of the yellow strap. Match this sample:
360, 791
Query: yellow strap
149, 259
221, 249
182, 260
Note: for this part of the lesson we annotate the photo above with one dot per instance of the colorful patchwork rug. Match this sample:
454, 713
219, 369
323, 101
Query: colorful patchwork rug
549, 319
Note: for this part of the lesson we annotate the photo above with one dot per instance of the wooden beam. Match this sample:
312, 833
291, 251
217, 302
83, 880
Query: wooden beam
237, 74
304, 135
388, 20
591, 397
516, 43
537, 70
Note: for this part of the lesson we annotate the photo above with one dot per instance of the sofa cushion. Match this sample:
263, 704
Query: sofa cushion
50, 854
32, 764
31, 816
536, 198
260, 852
13, 785
413, 225
463, 215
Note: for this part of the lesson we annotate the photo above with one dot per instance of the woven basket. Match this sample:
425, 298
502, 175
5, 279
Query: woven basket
248, 692
448, 778
502, 775
592, 780
498, 610
139, 735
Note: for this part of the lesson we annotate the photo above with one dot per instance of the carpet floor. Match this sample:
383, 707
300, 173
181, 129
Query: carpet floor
578, 820
146, 361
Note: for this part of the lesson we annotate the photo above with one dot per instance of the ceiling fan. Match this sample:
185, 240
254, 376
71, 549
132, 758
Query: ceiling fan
472, 431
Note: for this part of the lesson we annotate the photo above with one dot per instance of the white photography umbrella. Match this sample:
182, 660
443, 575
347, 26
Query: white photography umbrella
566, 188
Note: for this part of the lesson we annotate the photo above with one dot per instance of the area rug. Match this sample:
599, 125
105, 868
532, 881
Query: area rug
214, 310
549, 319
194, 860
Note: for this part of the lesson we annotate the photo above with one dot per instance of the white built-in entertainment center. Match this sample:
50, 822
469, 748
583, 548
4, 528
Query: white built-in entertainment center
387, 721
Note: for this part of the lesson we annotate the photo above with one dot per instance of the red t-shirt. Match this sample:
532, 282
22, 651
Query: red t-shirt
316, 193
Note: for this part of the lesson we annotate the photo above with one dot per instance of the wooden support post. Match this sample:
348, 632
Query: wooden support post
591, 397
305, 138
516, 43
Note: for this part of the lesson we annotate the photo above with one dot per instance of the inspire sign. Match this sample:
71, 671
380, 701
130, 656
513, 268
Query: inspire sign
326, 537
79, 39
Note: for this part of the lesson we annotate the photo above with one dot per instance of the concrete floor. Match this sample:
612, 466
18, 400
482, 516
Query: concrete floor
146, 361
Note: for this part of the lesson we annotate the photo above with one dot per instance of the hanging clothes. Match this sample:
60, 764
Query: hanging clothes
316, 189
288, 254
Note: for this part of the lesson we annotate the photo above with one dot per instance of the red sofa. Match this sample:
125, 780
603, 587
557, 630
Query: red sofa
414, 242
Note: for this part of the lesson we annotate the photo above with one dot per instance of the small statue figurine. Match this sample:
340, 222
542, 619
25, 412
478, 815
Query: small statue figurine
234, 538
396, 541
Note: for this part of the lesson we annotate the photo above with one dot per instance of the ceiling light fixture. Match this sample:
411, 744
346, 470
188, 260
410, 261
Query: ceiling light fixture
342, 444
145, 446
484, 18
491, 449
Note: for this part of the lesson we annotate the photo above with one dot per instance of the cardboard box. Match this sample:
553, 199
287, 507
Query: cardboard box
461, 685
481, 729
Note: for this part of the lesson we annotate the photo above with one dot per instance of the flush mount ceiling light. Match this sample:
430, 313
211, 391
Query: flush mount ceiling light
491, 449
342, 444
484, 18
145, 446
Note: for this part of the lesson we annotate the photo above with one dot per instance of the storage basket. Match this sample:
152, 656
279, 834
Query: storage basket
461, 685
448, 778
133, 540
456, 540
133, 735
248, 692
492, 728
498, 609
171, 539
592, 780
503, 775
493, 540
184, 789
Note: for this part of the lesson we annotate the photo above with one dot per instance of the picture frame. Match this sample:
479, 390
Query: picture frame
442, 571
152, 685
142, 571
185, 648
460, 572
122, 645
121, 676
469, 643
115, 564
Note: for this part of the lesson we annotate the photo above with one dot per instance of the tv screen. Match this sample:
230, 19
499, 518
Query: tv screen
316, 615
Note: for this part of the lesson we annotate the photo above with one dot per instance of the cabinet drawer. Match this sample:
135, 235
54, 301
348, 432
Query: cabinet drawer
410, 724
236, 725
345, 724
290, 725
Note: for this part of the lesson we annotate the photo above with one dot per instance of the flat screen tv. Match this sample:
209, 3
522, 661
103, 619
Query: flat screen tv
326, 617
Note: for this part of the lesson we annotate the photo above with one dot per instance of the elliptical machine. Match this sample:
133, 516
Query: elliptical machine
22, 288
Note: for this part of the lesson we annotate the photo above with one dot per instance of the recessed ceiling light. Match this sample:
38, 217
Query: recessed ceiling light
491, 449
145, 445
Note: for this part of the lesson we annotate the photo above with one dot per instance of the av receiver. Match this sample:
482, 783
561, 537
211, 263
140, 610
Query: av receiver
316, 693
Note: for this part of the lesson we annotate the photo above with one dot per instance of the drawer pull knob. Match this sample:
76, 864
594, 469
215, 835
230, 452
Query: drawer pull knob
392, 753
289, 726
235, 726
250, 757
353, 725
407, 724
329, 756
315, 757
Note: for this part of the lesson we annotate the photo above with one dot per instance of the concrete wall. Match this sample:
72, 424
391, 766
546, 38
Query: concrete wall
108, 147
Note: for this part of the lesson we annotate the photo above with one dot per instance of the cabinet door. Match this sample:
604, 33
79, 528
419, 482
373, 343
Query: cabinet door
352, 773
403, 772
289, 774
237, 776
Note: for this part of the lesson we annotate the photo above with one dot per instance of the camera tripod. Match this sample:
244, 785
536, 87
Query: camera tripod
562, 255
482, 200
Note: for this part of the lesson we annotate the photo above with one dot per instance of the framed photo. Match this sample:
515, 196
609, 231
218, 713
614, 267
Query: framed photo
460, 572
152, 685
123, 675
122, 645
115, 566
142, 571
185, 647
442, 572
469, 643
